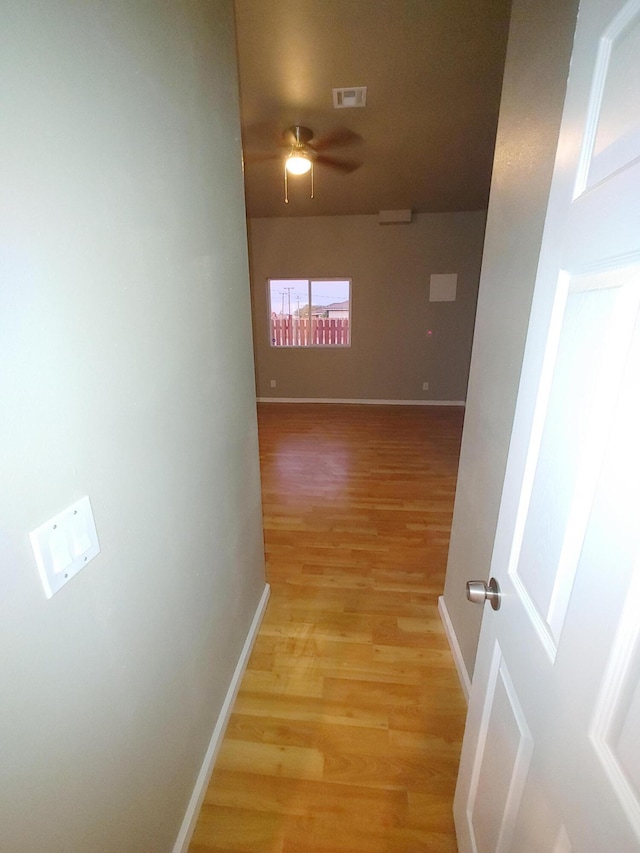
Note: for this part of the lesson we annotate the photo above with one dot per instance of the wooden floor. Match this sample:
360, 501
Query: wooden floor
346, 733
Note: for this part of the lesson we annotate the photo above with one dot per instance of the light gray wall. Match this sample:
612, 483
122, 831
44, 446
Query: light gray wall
125, 373
391, 353
536, 70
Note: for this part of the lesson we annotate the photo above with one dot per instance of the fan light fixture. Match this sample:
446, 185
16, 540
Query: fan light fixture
300, 152
298, 161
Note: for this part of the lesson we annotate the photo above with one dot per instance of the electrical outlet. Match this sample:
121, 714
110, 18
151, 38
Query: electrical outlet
273, 383
425, 386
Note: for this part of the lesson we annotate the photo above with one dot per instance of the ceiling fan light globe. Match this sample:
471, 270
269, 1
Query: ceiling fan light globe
296, 164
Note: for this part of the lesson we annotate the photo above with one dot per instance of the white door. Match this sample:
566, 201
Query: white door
551, 754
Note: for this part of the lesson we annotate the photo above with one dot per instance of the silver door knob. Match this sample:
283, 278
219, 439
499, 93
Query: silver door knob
478, 592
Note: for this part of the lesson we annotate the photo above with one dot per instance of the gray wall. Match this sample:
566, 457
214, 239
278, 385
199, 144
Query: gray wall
536, 70
391, 354
125, 373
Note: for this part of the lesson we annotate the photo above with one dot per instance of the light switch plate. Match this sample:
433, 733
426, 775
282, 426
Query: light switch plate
65, 544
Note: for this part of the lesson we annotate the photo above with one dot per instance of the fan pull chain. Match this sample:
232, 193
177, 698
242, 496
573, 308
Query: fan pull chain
286, 183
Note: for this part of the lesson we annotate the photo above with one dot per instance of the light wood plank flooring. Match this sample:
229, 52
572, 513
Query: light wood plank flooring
346, 733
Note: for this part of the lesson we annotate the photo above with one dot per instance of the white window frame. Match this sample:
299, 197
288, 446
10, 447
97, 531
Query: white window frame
296, 333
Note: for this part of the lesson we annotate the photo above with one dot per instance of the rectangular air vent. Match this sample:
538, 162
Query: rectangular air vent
356, 96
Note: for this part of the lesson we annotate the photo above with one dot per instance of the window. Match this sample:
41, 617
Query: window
310, 312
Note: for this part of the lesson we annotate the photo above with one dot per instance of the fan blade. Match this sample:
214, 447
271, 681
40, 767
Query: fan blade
341, 165
259, 157
262, 136
340, 137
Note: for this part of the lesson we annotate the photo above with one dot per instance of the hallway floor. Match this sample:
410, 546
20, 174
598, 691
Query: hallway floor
346, 733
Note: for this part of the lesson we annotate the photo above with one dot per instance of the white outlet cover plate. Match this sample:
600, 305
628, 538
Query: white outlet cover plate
64, 545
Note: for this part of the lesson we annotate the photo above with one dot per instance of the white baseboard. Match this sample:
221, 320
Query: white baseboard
200, 789
463, 675
361, 402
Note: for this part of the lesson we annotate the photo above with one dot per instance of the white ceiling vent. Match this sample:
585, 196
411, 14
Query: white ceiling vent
344, 99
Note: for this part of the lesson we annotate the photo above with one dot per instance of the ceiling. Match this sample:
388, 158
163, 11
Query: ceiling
433, 71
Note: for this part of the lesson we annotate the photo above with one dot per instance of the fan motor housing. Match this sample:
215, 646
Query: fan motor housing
299, 133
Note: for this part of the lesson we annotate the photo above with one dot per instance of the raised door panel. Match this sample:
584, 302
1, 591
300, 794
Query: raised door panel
501, 764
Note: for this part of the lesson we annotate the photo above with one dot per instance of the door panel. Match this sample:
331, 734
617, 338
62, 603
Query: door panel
554, 519
505, 745
615, 725
615, 103
550, 759
620, 737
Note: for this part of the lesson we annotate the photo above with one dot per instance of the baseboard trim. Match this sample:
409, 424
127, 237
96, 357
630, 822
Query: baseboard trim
200, 789
463, 675
361, 402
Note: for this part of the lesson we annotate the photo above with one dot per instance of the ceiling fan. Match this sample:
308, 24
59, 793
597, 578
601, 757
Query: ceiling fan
303, 152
